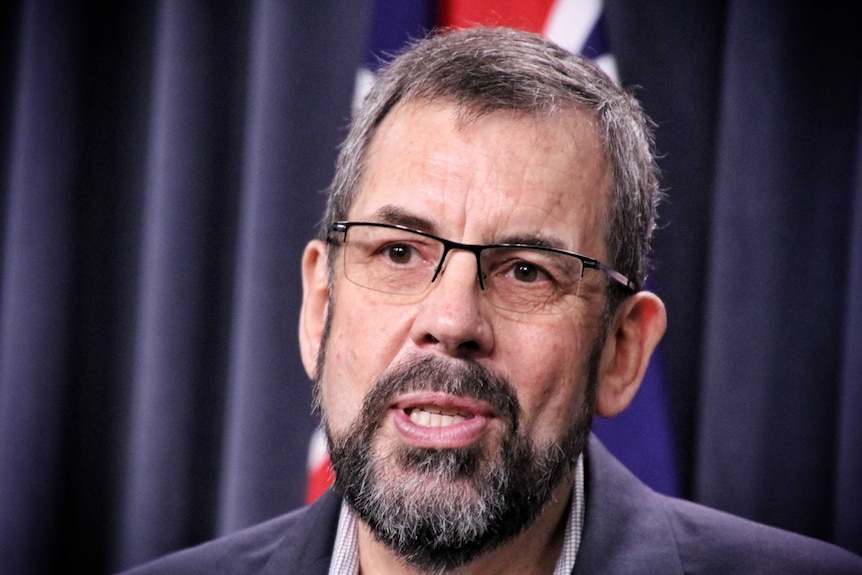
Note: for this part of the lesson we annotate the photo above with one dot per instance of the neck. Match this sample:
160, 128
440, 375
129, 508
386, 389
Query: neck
533, 552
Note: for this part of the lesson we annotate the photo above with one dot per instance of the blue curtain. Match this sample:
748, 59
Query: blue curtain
163, 164
758, 257
166, 165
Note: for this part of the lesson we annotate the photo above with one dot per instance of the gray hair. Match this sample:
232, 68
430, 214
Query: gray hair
483, 70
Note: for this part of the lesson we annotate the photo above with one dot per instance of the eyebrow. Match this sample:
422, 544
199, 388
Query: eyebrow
535, 240
394, 215
390, 214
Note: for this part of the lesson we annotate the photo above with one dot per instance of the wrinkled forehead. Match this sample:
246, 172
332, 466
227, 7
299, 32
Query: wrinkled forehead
513, 171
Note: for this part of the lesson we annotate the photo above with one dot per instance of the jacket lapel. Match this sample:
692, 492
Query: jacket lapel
307, 544
625, 528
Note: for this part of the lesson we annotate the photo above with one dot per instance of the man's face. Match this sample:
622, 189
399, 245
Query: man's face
443, 399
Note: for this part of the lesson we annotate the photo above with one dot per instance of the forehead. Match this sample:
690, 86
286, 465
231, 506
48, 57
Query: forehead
480, 179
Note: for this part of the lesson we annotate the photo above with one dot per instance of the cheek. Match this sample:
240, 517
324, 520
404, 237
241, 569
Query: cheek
550, 376
363, 340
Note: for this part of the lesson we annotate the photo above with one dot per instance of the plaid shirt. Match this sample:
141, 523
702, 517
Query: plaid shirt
345, 554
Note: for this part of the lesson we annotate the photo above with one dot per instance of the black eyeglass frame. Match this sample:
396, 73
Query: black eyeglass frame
477, 249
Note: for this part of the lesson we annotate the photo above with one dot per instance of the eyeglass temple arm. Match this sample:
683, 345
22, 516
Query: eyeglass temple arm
615, 275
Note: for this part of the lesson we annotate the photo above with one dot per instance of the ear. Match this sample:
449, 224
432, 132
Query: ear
638, 326
315, 301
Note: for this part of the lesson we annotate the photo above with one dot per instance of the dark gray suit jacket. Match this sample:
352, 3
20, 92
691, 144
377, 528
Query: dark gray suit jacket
628, 529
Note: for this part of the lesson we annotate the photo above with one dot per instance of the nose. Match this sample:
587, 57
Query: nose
453, 318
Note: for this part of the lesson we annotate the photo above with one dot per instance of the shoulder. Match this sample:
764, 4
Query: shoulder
631, 529
711, 541
299, 541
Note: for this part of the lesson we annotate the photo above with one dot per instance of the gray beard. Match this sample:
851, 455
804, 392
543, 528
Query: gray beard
439, 509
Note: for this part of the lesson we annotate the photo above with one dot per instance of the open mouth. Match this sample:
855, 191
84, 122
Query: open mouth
436, 416
439, 420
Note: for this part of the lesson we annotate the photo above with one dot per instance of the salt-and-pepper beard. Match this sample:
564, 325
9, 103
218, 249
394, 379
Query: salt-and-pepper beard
438, 509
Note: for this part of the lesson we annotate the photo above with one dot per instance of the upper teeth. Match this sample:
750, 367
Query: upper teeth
435, 416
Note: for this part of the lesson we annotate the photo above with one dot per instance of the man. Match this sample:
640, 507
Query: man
474, 298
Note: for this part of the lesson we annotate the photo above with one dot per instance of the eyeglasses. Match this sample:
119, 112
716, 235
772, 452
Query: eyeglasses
397, 260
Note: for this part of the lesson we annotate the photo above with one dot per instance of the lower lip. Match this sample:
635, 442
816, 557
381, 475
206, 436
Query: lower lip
461, 434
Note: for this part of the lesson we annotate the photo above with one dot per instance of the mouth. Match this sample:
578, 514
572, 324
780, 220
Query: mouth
436, 416
440, 421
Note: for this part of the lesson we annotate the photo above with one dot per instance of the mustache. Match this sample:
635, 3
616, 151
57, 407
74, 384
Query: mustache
461, 378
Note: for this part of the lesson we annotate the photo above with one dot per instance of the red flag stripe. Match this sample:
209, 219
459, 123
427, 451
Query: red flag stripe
524, 14
320, 474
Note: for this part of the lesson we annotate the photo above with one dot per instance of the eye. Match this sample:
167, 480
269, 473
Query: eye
399, 253
524, 272
528, 273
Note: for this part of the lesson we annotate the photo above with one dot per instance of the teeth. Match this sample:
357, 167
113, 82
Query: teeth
435, 417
